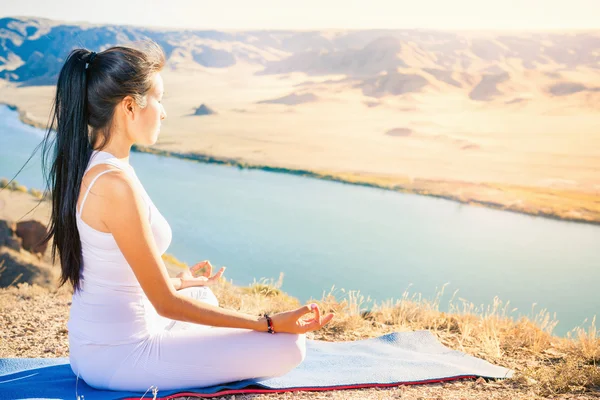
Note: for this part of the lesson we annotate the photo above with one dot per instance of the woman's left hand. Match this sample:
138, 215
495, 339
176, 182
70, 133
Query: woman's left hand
199, 275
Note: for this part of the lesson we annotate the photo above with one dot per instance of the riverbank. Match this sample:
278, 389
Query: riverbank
560, 204
546, 366
556, 203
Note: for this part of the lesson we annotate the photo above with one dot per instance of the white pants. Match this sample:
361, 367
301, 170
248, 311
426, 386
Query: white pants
180, 355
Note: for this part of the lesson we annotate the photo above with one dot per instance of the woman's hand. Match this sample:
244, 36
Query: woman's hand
199, 275
292, 322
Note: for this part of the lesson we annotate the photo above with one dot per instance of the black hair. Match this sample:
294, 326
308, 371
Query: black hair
82, 115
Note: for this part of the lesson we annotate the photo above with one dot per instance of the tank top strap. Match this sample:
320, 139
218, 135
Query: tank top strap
101, 157
90, 187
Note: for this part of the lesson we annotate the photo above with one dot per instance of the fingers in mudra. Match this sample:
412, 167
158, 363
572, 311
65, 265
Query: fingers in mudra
219, 274
203, 268
317, 321
213, 279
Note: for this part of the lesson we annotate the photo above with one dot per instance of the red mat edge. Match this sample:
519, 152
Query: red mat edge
306, 389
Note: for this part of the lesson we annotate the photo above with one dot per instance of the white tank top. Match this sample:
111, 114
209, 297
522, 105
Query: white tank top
111, 307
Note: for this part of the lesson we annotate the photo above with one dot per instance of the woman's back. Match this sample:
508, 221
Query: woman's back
111, 307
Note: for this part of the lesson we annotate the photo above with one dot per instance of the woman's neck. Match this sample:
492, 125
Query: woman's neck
121, 152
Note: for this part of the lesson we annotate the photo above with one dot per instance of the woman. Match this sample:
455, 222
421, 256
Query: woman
132, 327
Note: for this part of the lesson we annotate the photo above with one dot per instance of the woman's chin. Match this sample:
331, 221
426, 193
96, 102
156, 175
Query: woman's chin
151, 141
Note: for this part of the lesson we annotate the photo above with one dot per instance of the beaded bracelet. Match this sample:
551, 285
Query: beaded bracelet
269, 323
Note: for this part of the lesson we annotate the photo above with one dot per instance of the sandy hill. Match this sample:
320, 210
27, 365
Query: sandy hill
505, 119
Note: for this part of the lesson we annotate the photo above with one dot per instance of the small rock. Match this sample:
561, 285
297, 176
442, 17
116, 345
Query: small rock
32, 233
203, 110
531, 381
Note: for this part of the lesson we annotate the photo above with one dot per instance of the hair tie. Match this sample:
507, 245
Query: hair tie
90, 59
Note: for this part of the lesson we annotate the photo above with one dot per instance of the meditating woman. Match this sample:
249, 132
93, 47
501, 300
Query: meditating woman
131, 326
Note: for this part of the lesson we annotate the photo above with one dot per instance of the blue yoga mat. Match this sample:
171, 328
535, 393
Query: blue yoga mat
389, 360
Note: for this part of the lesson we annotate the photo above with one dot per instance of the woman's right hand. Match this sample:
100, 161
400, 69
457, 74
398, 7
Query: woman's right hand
292, 322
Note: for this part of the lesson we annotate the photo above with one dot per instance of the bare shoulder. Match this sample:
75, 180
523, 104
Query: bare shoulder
111, 193
114, 181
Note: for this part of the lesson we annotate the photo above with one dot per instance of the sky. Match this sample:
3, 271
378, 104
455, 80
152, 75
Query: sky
320, 14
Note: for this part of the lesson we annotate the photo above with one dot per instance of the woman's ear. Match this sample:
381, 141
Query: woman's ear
128, 104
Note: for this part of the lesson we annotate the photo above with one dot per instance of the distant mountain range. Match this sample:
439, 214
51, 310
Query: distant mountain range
485, 66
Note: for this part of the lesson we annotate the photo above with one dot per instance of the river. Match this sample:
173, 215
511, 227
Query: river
324, 234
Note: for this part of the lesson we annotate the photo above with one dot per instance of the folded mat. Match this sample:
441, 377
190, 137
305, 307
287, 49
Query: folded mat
390, 360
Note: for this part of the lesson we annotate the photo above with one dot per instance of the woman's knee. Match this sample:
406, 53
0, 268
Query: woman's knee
294, 350
281, 353
301, 348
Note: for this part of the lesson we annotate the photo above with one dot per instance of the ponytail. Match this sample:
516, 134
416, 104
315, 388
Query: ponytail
89, 88
71, 153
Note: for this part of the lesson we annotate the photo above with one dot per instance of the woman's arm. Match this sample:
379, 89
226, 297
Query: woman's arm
126, 217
